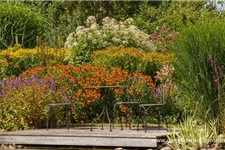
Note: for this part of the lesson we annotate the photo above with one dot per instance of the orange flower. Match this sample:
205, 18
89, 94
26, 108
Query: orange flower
77, 78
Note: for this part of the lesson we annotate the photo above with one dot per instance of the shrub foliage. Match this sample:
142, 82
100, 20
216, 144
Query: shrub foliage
15, 60
23, 102
19, 25
132, 59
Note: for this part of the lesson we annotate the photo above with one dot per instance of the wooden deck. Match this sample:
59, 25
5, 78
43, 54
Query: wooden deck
82, 136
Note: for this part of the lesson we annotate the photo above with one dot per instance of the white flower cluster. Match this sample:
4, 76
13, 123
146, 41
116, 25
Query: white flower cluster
110, 33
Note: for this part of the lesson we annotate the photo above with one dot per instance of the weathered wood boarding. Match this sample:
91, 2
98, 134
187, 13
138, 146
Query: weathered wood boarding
84, 137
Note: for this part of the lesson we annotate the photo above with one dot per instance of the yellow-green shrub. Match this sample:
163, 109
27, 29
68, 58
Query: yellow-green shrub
15, 60
131, 59
23, 102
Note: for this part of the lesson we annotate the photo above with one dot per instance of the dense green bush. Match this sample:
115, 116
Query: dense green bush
19, 24
200, 53
64, 16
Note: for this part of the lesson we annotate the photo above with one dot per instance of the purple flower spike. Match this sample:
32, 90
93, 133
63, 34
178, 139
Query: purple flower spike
210, 58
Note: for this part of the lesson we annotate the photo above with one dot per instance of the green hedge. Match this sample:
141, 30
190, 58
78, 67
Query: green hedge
19, 24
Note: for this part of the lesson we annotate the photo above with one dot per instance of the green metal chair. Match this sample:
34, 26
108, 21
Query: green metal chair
66, 104
67, 109
134, 93
157, 99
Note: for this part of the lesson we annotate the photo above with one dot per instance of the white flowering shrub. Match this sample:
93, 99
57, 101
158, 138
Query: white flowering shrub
109, 33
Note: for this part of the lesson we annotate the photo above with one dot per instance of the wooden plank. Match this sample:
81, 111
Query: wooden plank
78, 141
84, 137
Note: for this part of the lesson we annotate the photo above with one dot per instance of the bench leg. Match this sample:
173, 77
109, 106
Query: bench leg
47, 124
159, 120
67, 116
121, 123
139, 117
114, 116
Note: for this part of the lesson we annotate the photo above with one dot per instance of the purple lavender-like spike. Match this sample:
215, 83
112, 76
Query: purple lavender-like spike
28, 81
210, 58
217, 71
53, 86
220, 70
17, 82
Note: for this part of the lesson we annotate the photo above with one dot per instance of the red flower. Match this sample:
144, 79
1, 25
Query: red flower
163, 29
159, 37
170, 36
155, 34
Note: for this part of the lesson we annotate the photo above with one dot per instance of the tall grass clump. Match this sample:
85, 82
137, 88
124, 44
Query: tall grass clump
200, 53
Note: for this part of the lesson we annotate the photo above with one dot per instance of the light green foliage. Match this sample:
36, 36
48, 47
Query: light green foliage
97, 37
195, 72
147, 18
174, 15
18, 24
